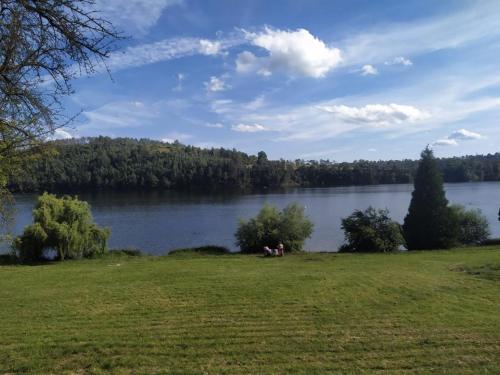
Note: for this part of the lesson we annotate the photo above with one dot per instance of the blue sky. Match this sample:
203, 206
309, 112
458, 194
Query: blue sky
338, 80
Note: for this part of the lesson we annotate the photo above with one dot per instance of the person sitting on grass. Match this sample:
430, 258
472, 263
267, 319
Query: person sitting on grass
268, 251
280, 250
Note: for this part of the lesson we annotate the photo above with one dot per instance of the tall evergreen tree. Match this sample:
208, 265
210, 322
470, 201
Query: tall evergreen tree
430, 223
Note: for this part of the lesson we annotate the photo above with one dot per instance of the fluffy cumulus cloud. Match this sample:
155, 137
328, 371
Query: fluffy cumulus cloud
294, 52
216, 84
378, 115
368, 70
249, 128
464, 134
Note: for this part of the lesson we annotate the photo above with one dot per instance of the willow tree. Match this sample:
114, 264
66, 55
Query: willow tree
430, 222
44, 44
64, 225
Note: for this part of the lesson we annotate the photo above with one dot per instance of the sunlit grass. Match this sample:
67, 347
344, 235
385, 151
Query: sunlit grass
409, 313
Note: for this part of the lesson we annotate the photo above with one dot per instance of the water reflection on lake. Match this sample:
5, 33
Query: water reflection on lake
160, 221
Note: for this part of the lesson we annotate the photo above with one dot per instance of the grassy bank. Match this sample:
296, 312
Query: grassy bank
413, 313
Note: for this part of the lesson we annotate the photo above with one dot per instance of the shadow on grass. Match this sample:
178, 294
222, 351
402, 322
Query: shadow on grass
8, 260
202, 250
486, 271
125, 252
11, 260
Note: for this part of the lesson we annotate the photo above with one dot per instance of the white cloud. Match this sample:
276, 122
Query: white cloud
372, 150
216, 84
59, 134
248, 128
163, 50
445, 142
134, 15
209, 47
299, 52
368, 70
216, 125
323, 120
167, 49
245, 62
400, 60
439, 100
379, 115
464, 134
294, 52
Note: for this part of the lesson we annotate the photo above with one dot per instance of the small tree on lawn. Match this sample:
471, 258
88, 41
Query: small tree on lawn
430, 223
65, 225
371, 231
271, 227
474, 227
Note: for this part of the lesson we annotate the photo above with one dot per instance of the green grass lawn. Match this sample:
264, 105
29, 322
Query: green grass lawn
408, 313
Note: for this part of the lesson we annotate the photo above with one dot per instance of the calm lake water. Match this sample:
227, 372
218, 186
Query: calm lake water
157, 222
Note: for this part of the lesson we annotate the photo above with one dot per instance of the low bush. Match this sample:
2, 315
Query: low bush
371, 231
271, 227
474, 228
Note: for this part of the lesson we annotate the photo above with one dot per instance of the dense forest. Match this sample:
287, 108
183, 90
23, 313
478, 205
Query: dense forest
122, 163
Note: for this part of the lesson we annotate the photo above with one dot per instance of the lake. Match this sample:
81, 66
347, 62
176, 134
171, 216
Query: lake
157, 222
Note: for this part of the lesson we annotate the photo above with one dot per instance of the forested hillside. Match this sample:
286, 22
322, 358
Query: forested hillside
123, 163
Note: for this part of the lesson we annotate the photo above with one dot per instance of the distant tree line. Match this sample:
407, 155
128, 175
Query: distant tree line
103, 163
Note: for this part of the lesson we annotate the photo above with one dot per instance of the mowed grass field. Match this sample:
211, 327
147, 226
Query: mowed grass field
409, 313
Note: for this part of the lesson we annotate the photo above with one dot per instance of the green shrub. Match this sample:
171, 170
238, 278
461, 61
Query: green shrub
473, 225
64, 225
272, 227
371, 231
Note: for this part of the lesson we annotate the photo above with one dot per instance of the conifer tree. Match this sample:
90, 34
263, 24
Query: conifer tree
430, 223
